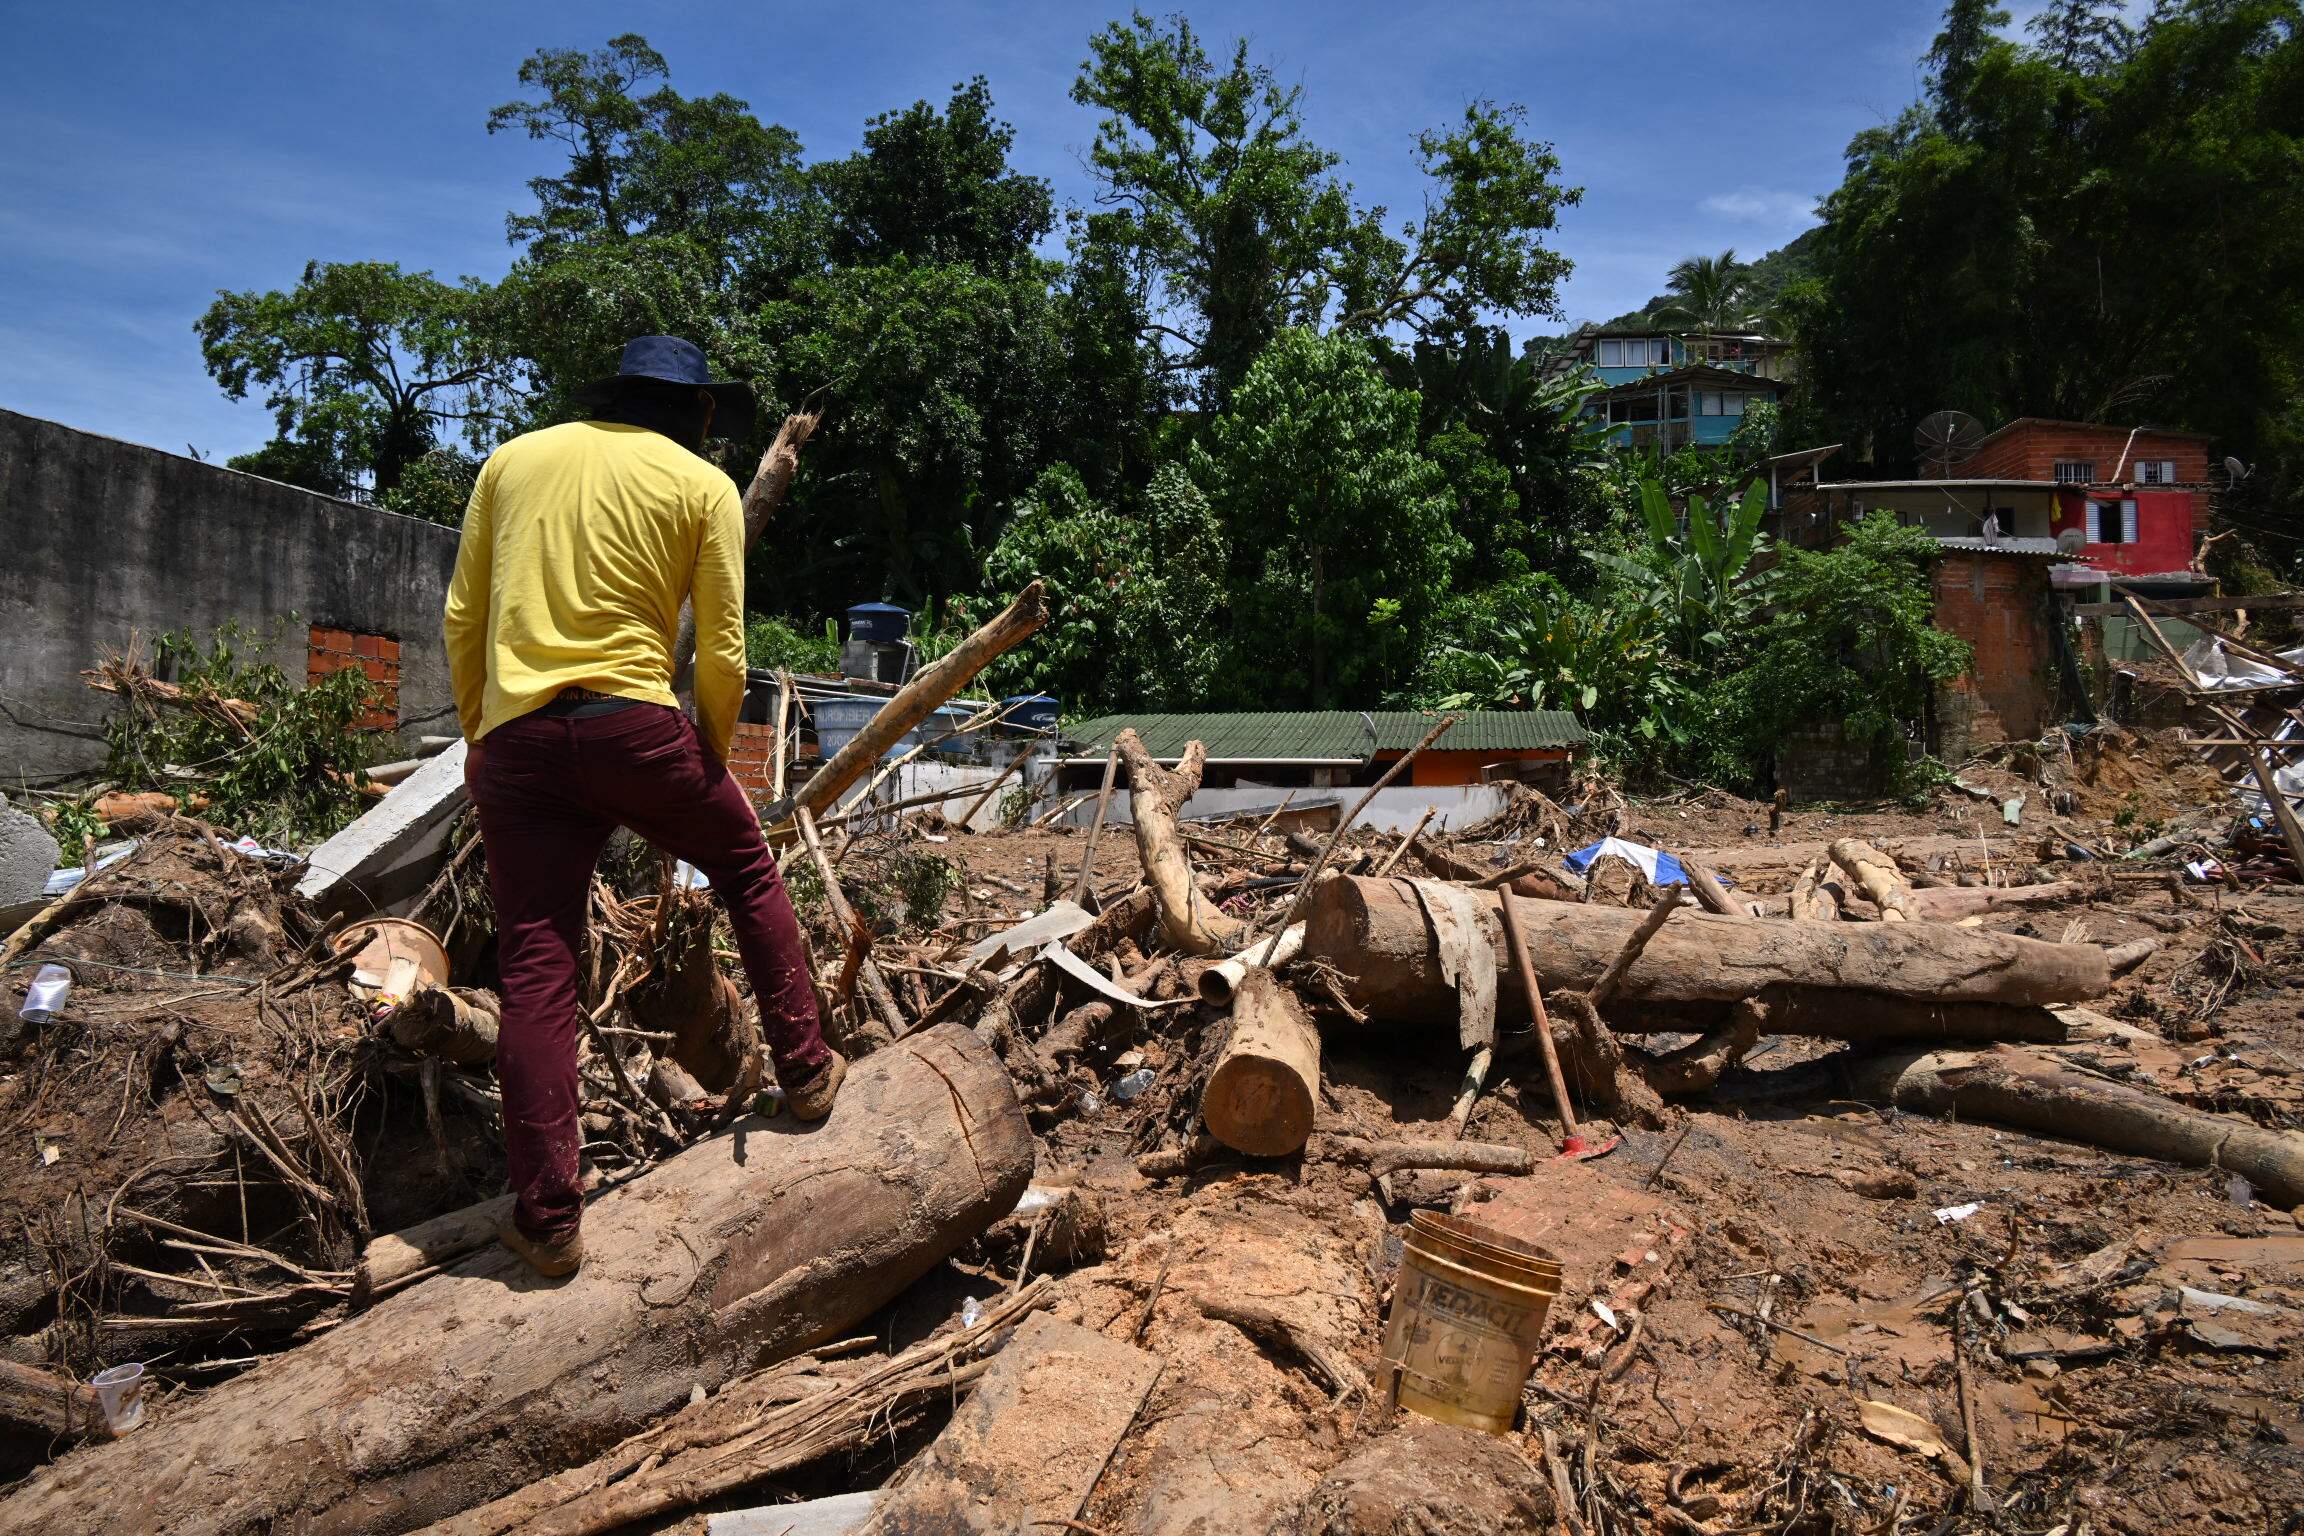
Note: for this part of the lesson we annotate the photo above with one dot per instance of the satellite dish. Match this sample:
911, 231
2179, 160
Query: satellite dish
2234, 470
2069, 542
1946, 438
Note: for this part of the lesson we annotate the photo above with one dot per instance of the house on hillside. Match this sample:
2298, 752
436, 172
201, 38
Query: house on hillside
2113, 501
1667, 389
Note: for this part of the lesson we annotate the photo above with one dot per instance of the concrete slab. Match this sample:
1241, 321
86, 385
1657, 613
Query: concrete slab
27, 858
389, 853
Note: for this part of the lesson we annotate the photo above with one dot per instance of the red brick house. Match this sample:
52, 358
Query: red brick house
2138, 496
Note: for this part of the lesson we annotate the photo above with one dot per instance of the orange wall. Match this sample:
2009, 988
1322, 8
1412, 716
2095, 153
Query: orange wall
1436, 766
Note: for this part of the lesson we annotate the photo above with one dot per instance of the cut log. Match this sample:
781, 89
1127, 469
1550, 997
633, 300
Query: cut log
1383, 1157
935, 686
1189, 921
1375, 932
1876, 876
745, 1248
1026, 1449
1266, 1081
1710, 893
2034, 1092
1950, 903
1811, 900
398, 1260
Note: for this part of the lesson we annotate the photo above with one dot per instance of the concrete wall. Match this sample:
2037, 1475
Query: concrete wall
104, 538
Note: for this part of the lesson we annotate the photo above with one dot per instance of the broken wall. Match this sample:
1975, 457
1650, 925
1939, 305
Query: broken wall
2001, 605
104, 537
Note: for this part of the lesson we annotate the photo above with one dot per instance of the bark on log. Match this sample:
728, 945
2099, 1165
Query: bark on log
398, 1260
743, 1249
2037, 1093
1877, 876
1375, 932
1266, 1081
1709, 892
687, 998
1189, 921
1383, 1157
49, 1405
923, 696
1824, 1013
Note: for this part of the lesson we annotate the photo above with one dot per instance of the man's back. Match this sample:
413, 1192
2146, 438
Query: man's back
581, 543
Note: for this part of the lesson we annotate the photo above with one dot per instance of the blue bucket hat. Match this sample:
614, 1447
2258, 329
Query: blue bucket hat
674, 361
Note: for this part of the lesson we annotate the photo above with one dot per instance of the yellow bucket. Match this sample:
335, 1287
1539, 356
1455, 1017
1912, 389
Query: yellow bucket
1467, 1319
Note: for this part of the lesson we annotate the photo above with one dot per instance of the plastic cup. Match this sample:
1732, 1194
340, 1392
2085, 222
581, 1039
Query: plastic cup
44, 999
120, 1393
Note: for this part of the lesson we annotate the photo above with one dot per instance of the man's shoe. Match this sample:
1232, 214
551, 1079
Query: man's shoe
812, 1100
554, 1259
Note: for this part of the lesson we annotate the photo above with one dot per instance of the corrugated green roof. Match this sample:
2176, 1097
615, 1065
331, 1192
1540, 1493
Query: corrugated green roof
1335, 734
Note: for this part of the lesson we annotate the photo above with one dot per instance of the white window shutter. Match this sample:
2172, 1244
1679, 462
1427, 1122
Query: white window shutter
2128, 521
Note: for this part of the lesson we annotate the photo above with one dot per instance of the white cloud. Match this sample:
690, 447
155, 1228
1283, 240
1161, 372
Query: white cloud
1758, 205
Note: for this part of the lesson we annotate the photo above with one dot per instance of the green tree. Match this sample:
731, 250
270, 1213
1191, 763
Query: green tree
2083, 37
1709, 293
1341, 542
936, 188
1955, 58
659, 163
1237, 229
365, 368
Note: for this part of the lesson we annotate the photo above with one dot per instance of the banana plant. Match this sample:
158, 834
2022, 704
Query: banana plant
1701, 576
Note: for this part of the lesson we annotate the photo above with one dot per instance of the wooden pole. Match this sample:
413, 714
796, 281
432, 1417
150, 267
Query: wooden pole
1393, 857
1096, 828
875, 985
993, 788
1516, 940
1295, 908
783, 724
935, 686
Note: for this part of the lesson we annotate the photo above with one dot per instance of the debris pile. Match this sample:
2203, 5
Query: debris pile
1876, 1174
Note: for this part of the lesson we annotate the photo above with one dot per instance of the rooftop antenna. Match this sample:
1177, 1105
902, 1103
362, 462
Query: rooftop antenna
1946, 438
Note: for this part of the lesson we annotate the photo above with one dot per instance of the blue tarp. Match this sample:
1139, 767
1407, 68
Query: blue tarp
1660, 867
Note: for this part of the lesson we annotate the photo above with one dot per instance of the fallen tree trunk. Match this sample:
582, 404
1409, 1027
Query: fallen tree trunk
2038, 1093
1375, 932
1825, 1013
923, 696
1266, 1081
1190, 922
743, 1249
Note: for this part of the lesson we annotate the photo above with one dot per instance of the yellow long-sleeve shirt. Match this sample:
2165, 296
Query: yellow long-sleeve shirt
579, 545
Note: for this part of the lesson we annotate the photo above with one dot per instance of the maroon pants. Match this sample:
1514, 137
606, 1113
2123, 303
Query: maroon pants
550, 790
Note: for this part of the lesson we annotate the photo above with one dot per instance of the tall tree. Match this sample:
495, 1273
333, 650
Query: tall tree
1709, 293
1229, 217
1970, 31
2084, 37
364, 367
653, 164
935, 186
1339, 524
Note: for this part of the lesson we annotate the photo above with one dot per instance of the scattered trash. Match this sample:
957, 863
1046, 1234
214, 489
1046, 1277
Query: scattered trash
1133, 1084
120, 1391
45, 998
1952, 1213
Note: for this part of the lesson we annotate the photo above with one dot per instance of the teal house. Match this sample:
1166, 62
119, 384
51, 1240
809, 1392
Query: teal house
1668, 389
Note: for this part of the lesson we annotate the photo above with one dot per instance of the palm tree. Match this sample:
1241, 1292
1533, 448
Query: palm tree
1709, 293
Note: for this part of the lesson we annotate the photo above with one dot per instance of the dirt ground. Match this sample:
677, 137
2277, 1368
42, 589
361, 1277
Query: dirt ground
1784, 1310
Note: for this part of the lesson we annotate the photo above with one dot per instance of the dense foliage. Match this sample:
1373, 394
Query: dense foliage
1271, 447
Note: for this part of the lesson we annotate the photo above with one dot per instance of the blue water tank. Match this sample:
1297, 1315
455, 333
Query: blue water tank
879, 623
1032, 711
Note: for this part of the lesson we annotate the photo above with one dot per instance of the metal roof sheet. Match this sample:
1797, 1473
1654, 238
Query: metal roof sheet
1335, 735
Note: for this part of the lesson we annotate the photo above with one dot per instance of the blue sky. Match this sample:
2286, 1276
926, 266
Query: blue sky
158, 153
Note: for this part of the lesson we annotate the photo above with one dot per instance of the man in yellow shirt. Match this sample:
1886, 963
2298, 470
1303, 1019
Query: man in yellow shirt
580, 545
